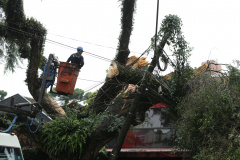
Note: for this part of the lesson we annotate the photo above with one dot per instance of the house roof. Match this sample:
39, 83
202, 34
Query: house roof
159, 105
20, 99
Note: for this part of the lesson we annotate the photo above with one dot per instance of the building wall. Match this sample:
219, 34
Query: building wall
213, 66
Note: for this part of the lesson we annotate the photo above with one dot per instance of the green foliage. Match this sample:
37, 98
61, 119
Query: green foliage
90, 98
9, 53
64, 137
103, 155
170, 28
209, 125
234, 74
4, 118
37, 153
116, 124
3, 3
14, 13
78, 95
17, 34
73, 109
12, 59
170, 32
178, 82
3, 94
34, 28
127, 12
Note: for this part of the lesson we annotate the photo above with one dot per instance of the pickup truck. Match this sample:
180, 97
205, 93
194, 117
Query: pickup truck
10, 148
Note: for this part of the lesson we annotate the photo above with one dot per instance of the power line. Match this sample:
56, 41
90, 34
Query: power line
54, 42
75, 39
86, 90
82, 41
90, 80
22, 32
42, 71
99, 45
91, 54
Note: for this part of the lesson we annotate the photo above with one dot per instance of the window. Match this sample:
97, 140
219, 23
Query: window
9, 153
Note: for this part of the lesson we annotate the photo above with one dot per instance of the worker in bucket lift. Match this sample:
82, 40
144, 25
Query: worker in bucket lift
77, 58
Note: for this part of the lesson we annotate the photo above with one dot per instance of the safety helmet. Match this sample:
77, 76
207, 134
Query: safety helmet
79, 48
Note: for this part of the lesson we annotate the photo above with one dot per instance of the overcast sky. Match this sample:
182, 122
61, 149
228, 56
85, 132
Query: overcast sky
210, 27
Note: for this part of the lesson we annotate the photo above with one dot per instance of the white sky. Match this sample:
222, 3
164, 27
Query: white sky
211, 27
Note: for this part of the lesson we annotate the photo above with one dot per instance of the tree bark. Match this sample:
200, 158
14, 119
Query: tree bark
128, 7
106, 94
113, 85
133, 108
34, 84
128, 121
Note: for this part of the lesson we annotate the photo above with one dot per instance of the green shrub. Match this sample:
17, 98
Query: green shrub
209, 125
64, 137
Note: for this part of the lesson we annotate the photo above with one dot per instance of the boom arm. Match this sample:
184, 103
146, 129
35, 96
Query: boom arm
35, 107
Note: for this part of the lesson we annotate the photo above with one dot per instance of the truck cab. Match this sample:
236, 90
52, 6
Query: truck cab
10, 148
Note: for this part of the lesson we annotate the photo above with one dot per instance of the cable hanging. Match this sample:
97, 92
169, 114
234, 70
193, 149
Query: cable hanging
7, 130
39, 123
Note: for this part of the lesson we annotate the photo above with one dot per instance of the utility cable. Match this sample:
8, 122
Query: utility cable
39, 123
56, 76
109, 91
7, 130
75, 39
91, 54
54, 42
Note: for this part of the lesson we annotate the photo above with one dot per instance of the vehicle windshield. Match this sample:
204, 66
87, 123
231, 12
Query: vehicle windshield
9, 153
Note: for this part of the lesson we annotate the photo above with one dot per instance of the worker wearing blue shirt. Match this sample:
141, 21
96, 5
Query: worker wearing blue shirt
77, 58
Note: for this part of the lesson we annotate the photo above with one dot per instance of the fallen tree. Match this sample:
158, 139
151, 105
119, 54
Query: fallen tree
66, 137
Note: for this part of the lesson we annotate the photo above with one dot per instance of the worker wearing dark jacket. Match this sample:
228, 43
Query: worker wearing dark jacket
77, 58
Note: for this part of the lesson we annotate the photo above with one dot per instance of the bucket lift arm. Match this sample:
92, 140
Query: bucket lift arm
48, 80
51, 66
35, 107
16, 109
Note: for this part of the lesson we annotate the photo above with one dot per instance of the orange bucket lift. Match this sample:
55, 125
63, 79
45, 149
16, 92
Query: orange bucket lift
66, 80
67, 77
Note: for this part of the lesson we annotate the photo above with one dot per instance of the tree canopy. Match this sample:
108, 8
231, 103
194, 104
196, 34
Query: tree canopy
106, 111
78, 95
209, 116
3, 94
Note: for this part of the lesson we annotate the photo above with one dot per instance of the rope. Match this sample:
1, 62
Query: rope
39, 123
10, 125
